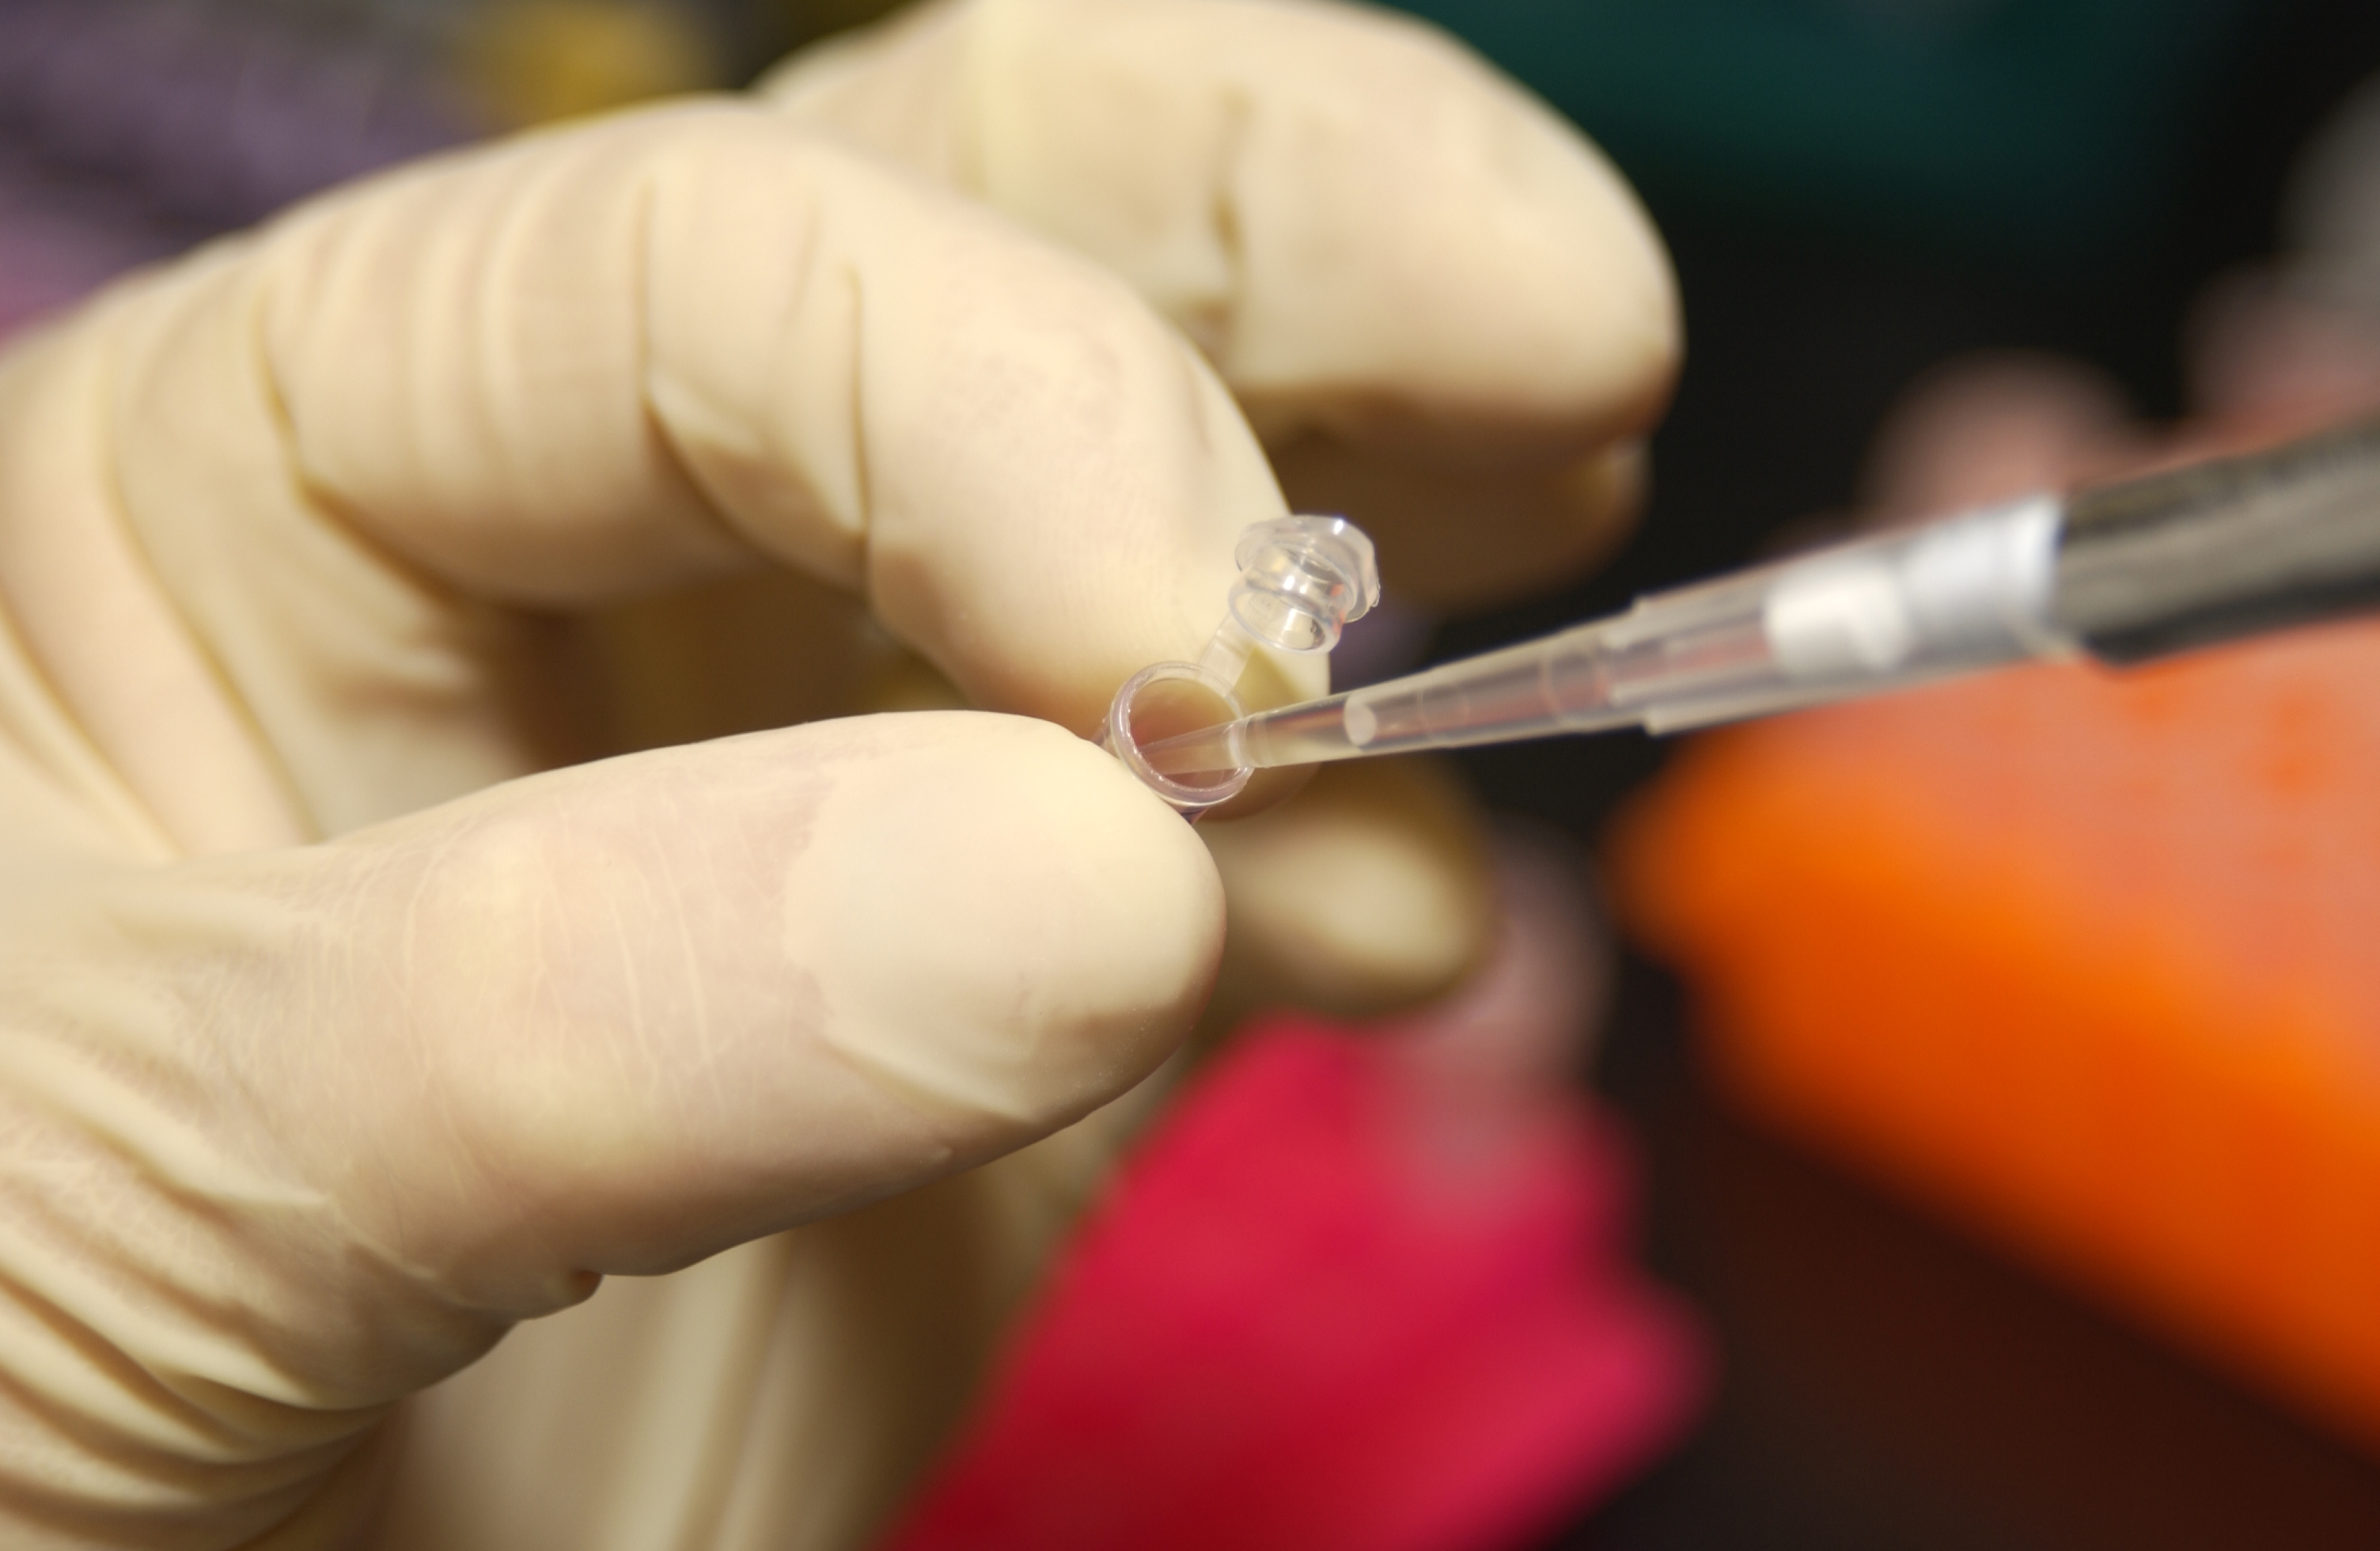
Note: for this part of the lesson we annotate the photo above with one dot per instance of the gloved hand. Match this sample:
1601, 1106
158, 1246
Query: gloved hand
349, 1022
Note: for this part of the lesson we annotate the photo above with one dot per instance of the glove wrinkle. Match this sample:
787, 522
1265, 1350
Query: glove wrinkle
775, 328
123, 667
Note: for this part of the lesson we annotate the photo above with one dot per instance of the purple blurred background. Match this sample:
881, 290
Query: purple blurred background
130, 129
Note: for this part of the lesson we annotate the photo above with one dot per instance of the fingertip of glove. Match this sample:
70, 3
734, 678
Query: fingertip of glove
1006, 925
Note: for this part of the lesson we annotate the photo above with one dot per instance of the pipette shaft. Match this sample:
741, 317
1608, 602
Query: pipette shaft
2124, 573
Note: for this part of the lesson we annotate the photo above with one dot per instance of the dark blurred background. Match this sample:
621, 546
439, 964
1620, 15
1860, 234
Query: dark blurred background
1853, 192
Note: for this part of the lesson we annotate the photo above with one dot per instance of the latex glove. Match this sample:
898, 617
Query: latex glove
1447, 317
337, 1041
1442, 312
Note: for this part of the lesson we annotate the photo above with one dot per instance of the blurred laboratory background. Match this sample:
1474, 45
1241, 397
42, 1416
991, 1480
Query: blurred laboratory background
2002, 1061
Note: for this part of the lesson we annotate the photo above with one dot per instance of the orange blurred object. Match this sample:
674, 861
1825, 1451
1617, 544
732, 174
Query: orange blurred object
2091, 960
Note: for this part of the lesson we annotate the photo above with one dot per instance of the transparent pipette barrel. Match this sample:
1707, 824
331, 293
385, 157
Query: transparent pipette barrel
1969, 592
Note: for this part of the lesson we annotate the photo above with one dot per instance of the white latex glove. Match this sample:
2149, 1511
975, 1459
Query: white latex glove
1442, 309
335, 1040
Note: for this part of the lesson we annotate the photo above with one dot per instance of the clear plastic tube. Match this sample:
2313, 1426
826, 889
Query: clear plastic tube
1302, 580
1967, 593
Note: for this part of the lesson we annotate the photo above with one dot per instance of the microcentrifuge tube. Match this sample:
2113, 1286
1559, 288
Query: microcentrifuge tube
1302, 579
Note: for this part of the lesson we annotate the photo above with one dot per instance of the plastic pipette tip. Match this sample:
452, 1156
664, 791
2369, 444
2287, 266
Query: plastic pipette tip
1202, 751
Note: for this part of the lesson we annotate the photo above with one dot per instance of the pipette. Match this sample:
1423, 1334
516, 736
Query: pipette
2124, 573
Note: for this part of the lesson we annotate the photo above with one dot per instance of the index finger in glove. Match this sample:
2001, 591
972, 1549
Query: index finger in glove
581, 366
1382, 244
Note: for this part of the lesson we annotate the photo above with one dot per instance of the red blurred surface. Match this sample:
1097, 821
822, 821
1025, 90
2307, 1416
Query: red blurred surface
1337, 1301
